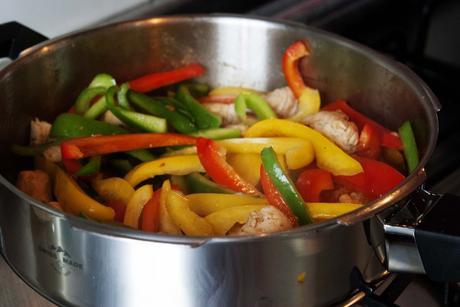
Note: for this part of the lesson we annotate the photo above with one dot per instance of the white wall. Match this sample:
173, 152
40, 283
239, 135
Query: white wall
56, 17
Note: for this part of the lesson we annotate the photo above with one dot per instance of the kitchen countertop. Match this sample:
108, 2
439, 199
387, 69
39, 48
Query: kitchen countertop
15, 292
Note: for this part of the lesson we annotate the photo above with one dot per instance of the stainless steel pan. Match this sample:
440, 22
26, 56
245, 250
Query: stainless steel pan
79, 262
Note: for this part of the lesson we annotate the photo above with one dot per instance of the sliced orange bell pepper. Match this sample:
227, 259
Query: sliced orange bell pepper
311, 182
213, 161
151, 213
309, 98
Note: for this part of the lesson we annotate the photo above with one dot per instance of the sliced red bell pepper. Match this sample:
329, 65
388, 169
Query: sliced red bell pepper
291, 59
274, 198
151, 213
311, 182
387, 138
156, 80
377, 179
213, 161
71, 166
119, 207
369, 143
104, 144
309, 99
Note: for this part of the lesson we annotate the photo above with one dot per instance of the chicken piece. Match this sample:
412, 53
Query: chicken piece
35, 183
225, 111
266, 220
53, 153
283, 102
337, 127
39, 131
110, 118
344, 195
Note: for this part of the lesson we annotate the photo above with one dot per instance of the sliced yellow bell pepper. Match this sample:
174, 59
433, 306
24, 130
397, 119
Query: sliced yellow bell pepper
223, 220
309, 103
177, 165
323, 211
113, 189
74, 200
298, 151
206, 203
187, 220
328, 155
231, 90
135, 205
166, 223
247, 166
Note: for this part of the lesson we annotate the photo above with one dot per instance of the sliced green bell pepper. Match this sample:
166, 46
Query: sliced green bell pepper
156, 107
137, 120
90, 168
203, 118
409, 145
285, 186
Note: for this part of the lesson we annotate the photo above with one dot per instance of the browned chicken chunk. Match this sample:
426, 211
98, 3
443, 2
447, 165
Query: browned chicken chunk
36, 184
337, 127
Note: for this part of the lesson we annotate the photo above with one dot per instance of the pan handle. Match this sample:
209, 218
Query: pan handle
423, 236
15, 37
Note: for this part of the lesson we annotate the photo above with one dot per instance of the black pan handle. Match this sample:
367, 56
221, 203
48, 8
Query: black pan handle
15, 37
423, 236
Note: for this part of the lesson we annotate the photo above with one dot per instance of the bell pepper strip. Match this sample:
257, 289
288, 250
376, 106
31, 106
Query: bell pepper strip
328, 155
97, 108
155, 107
246, 165
298, 152
92, 167
151, 213
122, 96
79, 148
409, 146
311, 182
232, 91
178, 165
72, 126
74, 200
223, 220
68, 125
387, 138
218, 133
197, 183
86, 96
308, 98
119, 208
102, 80
204, 204
197, 89
166, 224
324, 211
285, 186
274, 197
71, 166
213, 160
369, 143
156, 80
136, 204
188, 221
377, 179
226, 99
137, 120
113, 189
255, 103
204, 119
